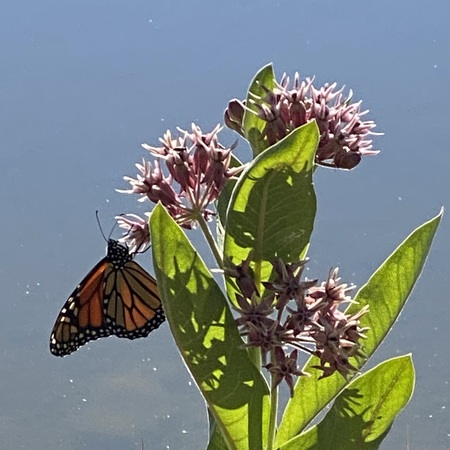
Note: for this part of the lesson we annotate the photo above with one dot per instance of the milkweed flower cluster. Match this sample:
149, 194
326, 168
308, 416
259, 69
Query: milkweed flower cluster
344, 135
187, 175
299, 315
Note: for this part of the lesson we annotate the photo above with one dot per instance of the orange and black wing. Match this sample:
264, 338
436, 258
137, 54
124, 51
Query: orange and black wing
82, 317
116, 297
132, 305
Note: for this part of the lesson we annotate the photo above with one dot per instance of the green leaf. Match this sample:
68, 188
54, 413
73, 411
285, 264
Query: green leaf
252, 124
216, 440
273, 205
223, 202
207, 337
386, 293
364, 412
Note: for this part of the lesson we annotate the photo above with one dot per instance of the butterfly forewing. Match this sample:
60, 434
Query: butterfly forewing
116, 297
82, 318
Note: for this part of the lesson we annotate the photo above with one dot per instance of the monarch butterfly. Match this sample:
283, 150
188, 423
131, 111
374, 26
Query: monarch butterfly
116, 297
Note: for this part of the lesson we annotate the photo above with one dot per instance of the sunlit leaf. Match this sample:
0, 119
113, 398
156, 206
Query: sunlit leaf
386, 293
207, 337
363, 413
273, 205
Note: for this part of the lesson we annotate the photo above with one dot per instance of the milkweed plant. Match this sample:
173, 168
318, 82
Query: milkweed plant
242, 337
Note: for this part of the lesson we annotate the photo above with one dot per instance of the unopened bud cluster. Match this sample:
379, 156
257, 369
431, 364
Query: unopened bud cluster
299, 315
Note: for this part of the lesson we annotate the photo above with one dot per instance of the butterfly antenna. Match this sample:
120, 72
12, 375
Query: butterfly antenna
100, 226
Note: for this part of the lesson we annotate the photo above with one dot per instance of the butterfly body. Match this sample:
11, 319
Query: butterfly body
117, 297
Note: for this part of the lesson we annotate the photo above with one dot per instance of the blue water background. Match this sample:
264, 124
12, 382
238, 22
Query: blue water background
83, 84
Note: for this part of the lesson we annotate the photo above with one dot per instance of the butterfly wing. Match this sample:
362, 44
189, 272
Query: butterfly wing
133, 307
82, 317
116, 297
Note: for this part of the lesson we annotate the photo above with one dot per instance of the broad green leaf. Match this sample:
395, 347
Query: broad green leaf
252, 124
207, 337
273, 205
386, 293
363, 413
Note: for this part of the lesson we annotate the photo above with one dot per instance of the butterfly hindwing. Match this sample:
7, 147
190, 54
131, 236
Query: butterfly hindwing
134, 307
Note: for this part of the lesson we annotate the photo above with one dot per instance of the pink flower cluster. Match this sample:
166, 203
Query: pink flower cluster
344, 135
187, 175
